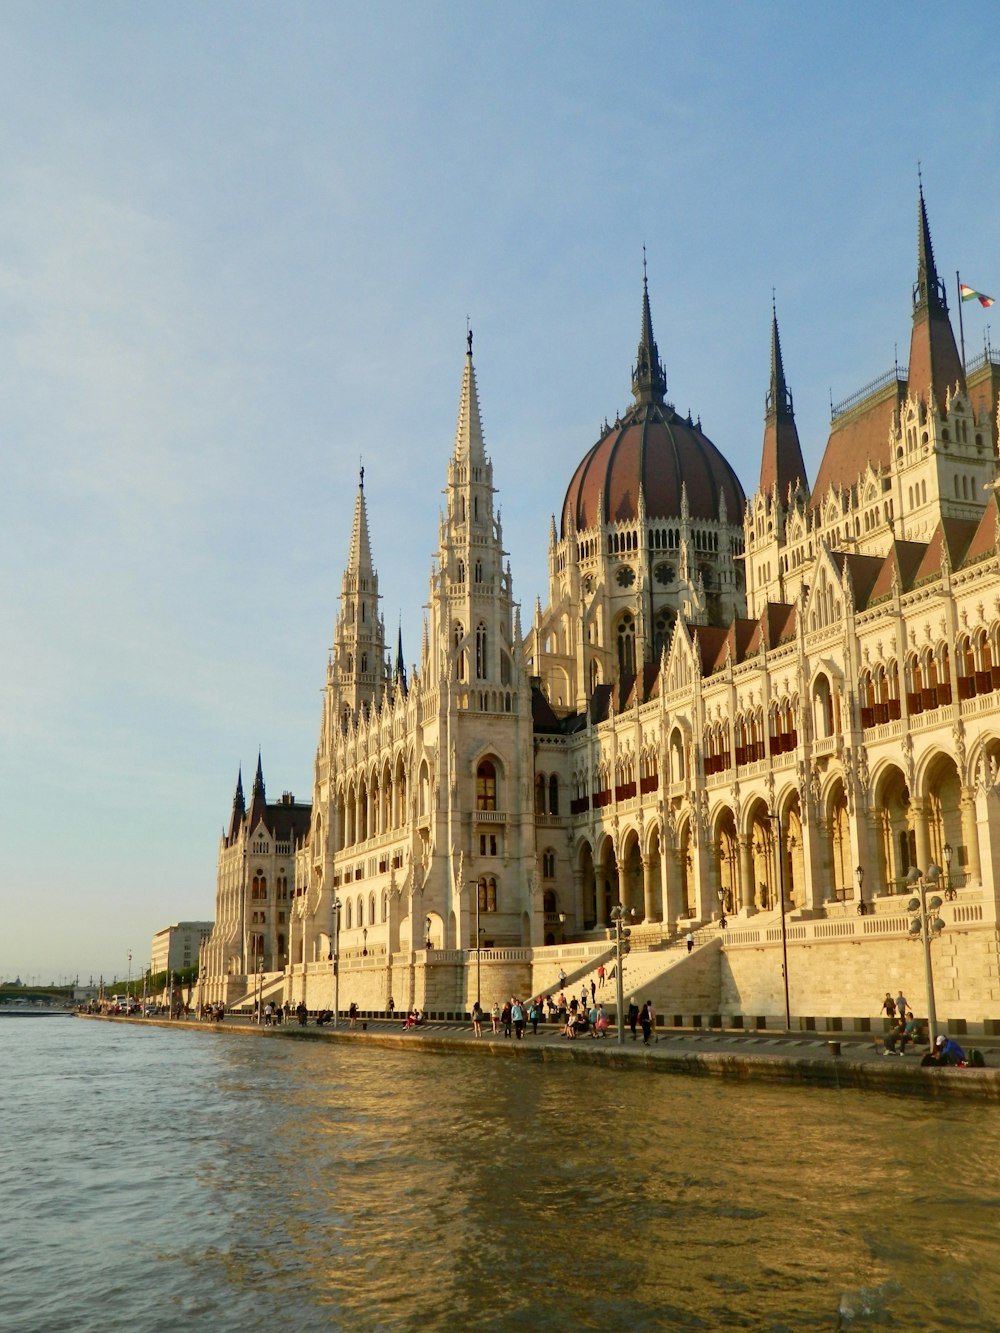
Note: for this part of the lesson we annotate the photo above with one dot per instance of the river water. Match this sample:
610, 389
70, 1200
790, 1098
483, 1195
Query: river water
154, 1179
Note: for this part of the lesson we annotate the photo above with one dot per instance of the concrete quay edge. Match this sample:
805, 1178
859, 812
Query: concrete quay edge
862, 1067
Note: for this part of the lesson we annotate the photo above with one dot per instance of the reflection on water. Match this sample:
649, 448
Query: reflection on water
169, 1179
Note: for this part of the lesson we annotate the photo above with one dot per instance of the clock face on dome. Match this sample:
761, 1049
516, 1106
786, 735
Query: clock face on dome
625, 576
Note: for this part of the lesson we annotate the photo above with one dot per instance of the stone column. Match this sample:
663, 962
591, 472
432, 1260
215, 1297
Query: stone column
970, 833
648, 889
748, 890
918, 823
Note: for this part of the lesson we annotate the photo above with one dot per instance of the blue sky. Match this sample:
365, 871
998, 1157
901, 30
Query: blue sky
238, 246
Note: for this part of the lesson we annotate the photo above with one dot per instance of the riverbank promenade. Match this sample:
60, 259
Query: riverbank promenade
848, 1060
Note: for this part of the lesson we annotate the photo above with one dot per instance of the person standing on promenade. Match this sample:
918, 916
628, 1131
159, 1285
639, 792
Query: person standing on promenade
646, 1020
534, 1014
902, 1005
889, 1006
390, 1006
477, 1019
505, 1018
690, 941
517, 1017
633, 1015
352, 1014
495, 1016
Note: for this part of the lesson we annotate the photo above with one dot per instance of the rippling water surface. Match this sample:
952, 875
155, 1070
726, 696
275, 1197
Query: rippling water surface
153, 1179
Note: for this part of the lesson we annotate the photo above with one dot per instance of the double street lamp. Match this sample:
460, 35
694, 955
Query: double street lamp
925, 926
619, 916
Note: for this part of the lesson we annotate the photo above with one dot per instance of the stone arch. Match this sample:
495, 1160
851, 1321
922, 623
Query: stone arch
726, 862
837, 860
940, 779
792, 867
630, 873
588, 885
895, 848
762, 891
653, 901
608, 893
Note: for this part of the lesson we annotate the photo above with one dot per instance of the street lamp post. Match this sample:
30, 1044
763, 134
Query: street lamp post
925, 928
364, 941
619, 916
128, 987
335, 955
860, 872
947, 852
427, 933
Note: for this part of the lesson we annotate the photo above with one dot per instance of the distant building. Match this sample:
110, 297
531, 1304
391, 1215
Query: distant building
730, 703
176, 947
255, 878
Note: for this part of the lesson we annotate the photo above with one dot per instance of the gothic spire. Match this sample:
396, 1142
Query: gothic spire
935, 367
649, 379
469, 444
239, 807
258, 797
399, 674
928, 290
359, 557
781, 459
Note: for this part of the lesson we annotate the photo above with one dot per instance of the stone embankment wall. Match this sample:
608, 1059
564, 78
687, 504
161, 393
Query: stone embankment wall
849, 979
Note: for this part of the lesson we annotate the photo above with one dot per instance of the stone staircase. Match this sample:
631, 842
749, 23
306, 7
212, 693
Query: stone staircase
650, 973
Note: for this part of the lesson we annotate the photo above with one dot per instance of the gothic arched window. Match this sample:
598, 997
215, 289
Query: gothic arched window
481, 661
459, 635
486, 786
626, 645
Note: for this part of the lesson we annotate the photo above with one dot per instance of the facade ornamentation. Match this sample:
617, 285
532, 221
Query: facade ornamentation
820, 653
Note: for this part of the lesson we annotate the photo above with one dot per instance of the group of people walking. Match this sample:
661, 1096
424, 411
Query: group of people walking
576, 1018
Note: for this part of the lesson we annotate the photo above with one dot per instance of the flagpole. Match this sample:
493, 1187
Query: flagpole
961, 325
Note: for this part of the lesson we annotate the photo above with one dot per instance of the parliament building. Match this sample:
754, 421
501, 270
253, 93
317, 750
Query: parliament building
770, 709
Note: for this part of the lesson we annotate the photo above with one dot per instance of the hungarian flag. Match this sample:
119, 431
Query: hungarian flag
968, 294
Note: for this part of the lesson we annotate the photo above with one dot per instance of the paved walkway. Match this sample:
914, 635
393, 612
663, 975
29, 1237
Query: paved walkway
796, 1057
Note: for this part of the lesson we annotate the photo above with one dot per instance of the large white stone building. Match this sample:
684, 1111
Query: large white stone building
725, 702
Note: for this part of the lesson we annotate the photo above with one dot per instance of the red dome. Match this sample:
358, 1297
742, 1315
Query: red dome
655, 449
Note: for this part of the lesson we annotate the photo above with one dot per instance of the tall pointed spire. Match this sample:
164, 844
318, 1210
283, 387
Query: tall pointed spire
399, 674
935, 366
239, 808
359, 557
258, 796
781, 461
649, 379
928, 290
469, 444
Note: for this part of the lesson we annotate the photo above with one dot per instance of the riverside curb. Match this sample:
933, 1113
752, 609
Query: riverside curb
669, 1056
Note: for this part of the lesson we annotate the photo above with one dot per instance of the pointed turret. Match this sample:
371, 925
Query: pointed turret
781, 462
258, 797
935, 366
359, 640
649, 379
469, 444
239, 808
399, 673
359, 556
